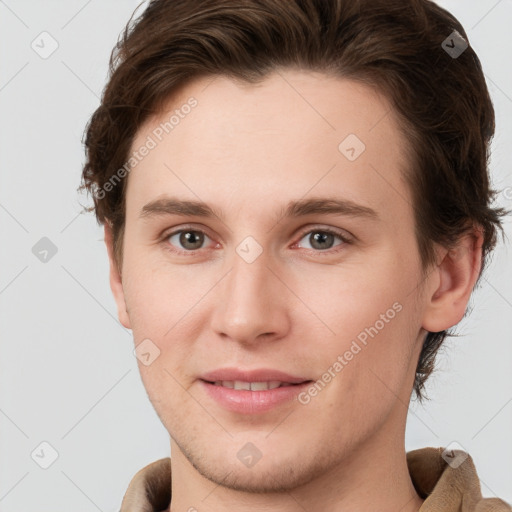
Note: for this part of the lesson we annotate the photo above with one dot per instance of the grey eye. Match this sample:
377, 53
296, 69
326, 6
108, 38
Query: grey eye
321, 240
188, 239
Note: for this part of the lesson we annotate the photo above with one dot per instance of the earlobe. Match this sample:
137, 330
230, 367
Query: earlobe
116, 284
454, 278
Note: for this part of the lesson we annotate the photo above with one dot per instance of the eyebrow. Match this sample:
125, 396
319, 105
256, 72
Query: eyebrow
320, 205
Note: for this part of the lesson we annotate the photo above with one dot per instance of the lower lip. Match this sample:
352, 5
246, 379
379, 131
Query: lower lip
252, 402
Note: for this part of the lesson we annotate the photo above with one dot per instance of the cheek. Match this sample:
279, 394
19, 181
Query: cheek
160, 297
163, 303
374, 330
353, 301
363, 376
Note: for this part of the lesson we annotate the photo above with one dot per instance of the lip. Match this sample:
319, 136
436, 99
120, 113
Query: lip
258, 375
252, 402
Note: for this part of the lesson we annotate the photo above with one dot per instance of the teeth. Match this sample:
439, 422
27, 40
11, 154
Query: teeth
253, 386
259, 386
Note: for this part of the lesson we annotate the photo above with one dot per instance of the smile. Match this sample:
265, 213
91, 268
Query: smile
252, 386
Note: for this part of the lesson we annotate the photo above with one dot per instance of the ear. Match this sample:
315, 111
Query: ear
116, 284
454, 279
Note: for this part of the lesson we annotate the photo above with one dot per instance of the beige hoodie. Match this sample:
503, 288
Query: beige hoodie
443, 486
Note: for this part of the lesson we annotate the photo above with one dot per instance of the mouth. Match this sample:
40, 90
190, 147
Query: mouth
252, 391
253, 386
243, 378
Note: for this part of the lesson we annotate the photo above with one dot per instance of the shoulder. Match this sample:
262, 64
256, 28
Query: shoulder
150, 488
448, 480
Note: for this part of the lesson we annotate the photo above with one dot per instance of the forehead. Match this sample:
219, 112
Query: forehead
248, 145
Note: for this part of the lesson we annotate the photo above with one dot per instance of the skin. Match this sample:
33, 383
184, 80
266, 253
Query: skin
249, 150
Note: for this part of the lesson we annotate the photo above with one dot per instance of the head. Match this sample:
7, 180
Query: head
256, 108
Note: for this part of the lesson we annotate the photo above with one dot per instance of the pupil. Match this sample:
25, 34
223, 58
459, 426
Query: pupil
191, 237
321, 237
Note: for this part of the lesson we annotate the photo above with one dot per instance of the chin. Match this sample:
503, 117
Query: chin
278, 478
283, 472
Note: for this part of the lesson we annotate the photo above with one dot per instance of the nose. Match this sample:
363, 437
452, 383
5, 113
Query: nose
252, 303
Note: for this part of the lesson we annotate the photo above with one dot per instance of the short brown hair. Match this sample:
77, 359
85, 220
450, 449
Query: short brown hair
441, 100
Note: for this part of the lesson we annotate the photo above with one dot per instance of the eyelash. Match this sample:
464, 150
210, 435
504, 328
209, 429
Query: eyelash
327, 252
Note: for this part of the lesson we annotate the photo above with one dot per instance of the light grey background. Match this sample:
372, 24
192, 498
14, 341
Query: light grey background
68, 376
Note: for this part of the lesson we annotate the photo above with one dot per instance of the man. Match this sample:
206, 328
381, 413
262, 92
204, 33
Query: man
297, 207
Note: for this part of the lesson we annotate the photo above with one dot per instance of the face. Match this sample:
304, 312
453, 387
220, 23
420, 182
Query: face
305, 275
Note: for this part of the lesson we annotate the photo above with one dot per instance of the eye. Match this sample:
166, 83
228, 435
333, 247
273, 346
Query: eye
189, 239
321, 239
